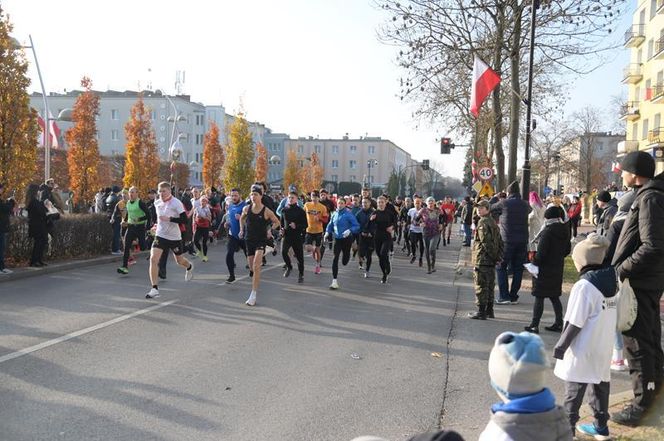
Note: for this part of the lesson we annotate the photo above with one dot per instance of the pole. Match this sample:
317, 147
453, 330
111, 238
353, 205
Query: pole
369, 178
525, 175
47, 124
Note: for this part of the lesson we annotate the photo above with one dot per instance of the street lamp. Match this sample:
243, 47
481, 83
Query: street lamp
370, 163
556, 159
525, 175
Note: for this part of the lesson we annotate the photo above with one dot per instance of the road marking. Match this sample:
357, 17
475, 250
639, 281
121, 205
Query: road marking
75, 334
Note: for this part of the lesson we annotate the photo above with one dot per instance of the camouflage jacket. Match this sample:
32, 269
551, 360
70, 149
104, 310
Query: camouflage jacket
488, 244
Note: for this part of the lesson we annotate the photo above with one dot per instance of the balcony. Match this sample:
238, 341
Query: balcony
659, 50
656, 137
657, 93
635, 35
660, 6
630, 111
632, 74
627, 146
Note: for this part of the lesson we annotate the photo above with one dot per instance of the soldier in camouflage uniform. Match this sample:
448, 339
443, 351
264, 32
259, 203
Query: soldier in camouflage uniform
487, 252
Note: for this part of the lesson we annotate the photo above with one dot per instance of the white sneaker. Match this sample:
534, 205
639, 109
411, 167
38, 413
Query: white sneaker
251, 301
153, 294
334, 284
117, 253
619, 365
366, 274
189, 274
6, 271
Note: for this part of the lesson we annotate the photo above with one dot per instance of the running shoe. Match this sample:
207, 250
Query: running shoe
317, 269
503, 302
366, 274
116, 253
123, 270
593, 431
251, 301
384, 279
334, 285
251, 274
420, 263
189, 274
230, 279
131, 261
514, 302
619, 365
287, 272
6, 271
300, 279
412, 259
153, 294
204, 259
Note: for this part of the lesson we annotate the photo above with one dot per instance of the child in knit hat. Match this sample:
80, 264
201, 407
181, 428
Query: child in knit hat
583, 352
528, 410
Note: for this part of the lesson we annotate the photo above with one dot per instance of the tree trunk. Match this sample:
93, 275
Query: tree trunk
497, 111
515, 102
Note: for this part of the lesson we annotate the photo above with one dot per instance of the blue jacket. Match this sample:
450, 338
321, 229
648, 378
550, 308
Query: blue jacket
342, 221
513, 221
363, 219
234, 209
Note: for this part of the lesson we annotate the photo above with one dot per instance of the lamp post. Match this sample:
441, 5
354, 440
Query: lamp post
525, 175
370, 163
556, 159
275, 160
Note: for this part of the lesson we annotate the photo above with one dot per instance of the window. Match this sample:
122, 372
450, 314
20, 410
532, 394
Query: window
635, 131
335, 149
153, 115
372, 149
353, 163
335, 163
653, 8
115, 135
644, 132
352, 178
353, 149
335, 178
115, 114
300, 148
600, 146
317, 148
651, 45
656, 122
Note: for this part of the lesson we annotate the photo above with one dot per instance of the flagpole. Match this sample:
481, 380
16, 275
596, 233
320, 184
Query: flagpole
525, 175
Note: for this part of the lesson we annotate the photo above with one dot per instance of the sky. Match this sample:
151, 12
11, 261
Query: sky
302, 67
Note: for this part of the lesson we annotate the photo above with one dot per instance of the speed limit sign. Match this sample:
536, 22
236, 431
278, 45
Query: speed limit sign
486, 173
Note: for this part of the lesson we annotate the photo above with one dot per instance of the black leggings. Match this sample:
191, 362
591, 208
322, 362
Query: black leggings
538, 310
366, 250
204, 233
431, 243
41, 242
341, 246
415, 239
234, 245
297, 244
406, 237
133, 232
383, 244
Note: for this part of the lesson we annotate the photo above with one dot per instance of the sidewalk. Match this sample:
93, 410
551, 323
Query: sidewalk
653, 425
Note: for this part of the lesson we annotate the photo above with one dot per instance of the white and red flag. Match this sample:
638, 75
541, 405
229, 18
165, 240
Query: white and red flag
485, 80
53, 130
615, 167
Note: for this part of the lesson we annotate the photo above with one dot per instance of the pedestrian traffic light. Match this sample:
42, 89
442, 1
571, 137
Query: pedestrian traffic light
446, 145
425, 164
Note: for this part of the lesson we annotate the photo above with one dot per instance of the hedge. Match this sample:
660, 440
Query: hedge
75, 236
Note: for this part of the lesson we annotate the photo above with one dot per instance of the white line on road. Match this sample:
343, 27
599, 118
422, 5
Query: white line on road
75, 334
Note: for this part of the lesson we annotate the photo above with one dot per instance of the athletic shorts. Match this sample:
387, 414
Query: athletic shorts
168, 245
253, 246
315, 239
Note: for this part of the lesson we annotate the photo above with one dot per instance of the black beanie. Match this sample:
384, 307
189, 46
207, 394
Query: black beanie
554, 212
513, 188
640, 163
604, 196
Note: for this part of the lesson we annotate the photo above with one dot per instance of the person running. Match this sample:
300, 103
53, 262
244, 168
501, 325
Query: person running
383, 219
342, 226
170, 215
366, 235
416, 239
331, 207
404, 223
317, 216
449, 209
294, 224
432, 221
202, 222
235, 242
135, 218
255, 221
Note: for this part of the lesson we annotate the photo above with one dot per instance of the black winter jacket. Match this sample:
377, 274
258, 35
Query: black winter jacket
294, 214
6, 208
513, 220
639, 253
553, 246
613, 232
607, 216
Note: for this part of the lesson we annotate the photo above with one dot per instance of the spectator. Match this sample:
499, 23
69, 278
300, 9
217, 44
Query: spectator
528, 411
584, 349
554, 245
639, 257
487, 251
36, 225
99, 201
609, 207
513, 224
467, 220
535, 223
6, 208
574, 214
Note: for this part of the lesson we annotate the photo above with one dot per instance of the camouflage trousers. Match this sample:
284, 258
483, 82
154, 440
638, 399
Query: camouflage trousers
484, 278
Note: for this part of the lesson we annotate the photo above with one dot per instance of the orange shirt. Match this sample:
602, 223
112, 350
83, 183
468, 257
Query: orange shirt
316, 214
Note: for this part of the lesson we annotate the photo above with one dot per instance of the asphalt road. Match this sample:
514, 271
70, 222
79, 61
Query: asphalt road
83, 356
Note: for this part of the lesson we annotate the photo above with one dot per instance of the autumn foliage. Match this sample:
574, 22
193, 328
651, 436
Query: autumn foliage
238, 168
213, 158
59, 167
18, 122
312, 176
261, 163
292, 173
142, 159
83, 155
178, 171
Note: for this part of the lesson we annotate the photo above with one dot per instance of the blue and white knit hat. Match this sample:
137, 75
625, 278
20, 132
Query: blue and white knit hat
517, 364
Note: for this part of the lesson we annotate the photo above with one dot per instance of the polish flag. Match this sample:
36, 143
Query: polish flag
485, 80
54, 132
615, 167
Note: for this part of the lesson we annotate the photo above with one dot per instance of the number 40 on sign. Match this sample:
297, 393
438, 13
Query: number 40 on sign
486, 173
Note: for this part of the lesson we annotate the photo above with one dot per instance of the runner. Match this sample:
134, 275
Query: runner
317, 216
398, 205
331, 207
383, 219
170, 215
449, 209
404, 222
294, 224
366, 235
235, 243
432, 221
202, 222
342, 226
135, 217
415, 230
257, 217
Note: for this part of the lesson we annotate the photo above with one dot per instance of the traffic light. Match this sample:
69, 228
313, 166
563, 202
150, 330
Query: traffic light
425, 164
446, 145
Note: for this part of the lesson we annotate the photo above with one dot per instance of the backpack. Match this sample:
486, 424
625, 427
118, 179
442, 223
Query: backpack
626, 306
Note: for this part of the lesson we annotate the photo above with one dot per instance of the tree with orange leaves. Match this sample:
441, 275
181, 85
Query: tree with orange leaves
292, 173
18, 122
213, 158
261, 163
141, 167
83, 155
316, 172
